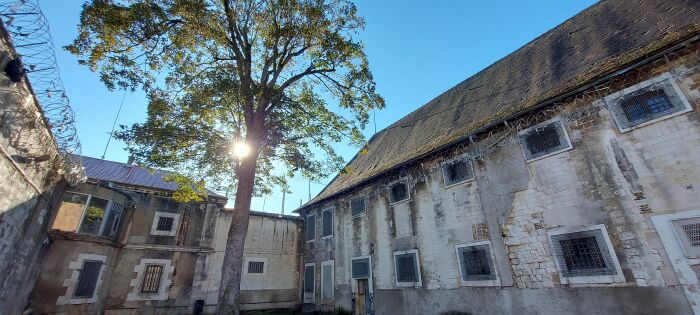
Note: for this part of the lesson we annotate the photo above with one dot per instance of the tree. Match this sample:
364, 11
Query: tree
218, 72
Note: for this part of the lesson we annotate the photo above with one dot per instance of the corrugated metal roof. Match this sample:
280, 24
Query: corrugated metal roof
607, 36
122, 173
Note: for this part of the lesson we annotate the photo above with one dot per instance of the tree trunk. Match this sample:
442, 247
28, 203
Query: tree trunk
231, 270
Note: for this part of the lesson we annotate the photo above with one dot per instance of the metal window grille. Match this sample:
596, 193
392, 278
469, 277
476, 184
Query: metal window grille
477, 263
406, 268
327, 276
151, 279
310, 227
87, 281
583, 254
309, 279
399, 192
692, 231
456, 172
165, 224
327, 222
688, 232
360, 268
544, 140
256, 266
645, 106
357, 206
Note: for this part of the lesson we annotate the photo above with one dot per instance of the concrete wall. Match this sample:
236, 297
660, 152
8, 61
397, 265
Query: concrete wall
271, 239
28, 178
617, 180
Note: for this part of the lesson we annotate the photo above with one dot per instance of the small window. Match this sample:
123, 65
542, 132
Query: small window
310, 227
407, 270
165, 224
113, 222
583, 253
87, 281
357, 206
688, 231
327, 223
476, 263
456, 172
544, 140
398, 192
256, 266
646, 102
151, 279
360, 268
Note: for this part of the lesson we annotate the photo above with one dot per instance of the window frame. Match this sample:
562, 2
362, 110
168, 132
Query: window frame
682, 237
369, 266
71, 283
462, 158
156, 218
330, 263
614, 101
525, 149
108, 211
364, 201
617, 277
391, 188
136, 284
306, 228
406, 284
248, 260
460, 265
323, 223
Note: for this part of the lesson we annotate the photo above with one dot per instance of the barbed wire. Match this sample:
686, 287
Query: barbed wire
31, 37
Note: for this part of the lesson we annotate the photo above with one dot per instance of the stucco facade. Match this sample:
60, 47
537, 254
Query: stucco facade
622, 187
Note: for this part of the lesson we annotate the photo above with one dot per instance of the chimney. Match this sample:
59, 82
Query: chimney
131, 160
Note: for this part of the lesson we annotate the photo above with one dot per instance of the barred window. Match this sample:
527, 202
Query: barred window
583, 253
310, 227
151, 279
688, 231
456, 172
327, 216
165, 224
406, 267
87, 281
398, 192
543, 140
360, 268
650, 100
256, 266
476, 263
357, 206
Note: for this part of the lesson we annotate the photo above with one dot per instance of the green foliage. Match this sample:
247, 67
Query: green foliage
219, 71
188, 189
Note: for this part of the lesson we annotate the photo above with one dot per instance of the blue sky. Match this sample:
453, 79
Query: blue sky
416, 50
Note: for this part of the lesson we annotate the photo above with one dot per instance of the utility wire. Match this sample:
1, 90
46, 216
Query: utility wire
111, 133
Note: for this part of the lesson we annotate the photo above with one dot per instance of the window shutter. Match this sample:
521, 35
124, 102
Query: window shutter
88, 278
406, 268
327, 276
357, 206
310, 227
309, 279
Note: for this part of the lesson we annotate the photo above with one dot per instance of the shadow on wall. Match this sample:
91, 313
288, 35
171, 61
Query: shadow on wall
23, 242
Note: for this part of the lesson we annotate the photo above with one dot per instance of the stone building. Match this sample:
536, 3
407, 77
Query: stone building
122, 245
32, 177
561, 179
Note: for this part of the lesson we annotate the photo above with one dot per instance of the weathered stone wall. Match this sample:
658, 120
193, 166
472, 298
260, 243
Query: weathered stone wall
618, 180
28, 180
